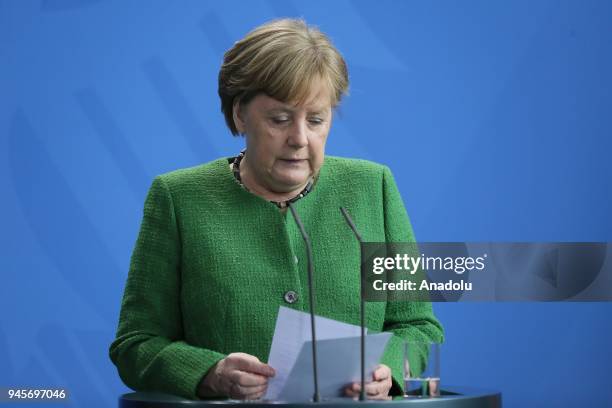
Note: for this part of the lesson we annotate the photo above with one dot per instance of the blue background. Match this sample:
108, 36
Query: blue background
494, 117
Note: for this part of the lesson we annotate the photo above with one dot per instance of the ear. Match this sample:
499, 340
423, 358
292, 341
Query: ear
237, 115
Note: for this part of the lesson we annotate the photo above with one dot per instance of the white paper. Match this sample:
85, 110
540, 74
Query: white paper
338, 365
291, 332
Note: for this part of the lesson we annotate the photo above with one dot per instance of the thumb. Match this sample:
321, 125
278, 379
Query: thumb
381, 373
252, 364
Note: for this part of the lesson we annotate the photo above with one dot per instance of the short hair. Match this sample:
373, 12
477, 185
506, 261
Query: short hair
282, 59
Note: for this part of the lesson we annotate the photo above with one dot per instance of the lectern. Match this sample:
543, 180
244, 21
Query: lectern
452, 397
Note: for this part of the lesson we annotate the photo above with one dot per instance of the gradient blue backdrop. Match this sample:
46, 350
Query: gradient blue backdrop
495, 118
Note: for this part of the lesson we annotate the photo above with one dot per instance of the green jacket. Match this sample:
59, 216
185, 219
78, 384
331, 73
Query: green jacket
213, 262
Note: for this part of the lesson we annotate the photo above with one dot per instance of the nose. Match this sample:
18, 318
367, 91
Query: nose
298, 134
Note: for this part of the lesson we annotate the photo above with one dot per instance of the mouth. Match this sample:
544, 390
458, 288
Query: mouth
293, 160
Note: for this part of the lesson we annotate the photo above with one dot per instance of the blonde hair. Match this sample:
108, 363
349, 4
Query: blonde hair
282, 59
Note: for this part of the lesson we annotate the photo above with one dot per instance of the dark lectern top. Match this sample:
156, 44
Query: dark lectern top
452, 397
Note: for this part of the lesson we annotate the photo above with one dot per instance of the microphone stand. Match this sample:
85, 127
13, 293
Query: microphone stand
316, 397
362, 395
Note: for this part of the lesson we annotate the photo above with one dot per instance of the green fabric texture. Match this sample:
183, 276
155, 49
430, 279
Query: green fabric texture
212, 263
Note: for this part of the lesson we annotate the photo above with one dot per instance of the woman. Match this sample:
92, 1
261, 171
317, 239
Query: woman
217, 254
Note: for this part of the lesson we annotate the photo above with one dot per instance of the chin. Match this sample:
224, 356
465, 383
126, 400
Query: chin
292, 182
293, 178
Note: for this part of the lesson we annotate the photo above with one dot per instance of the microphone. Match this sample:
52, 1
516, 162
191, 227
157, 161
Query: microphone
362, 308
306, 239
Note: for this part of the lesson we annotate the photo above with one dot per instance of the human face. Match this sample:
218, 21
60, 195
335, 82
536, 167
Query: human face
285, 141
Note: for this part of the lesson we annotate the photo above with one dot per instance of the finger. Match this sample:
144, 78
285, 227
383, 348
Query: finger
382, 372
383, 388
375, 388
246, 379
355, 388
249, 389
252, 364
234, 391
349, 392
379, 397
239, 392
256, 395
376, 391
259, 389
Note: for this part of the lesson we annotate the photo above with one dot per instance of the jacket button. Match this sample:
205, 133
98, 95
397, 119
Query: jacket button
295, 259
291, 297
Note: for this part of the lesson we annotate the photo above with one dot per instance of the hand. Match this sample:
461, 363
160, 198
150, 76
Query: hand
238, 376
378, 388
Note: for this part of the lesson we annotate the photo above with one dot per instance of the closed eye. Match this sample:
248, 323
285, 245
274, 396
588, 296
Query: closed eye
279, 120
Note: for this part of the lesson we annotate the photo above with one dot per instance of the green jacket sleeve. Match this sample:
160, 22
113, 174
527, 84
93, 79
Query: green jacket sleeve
406, 320
149, 350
